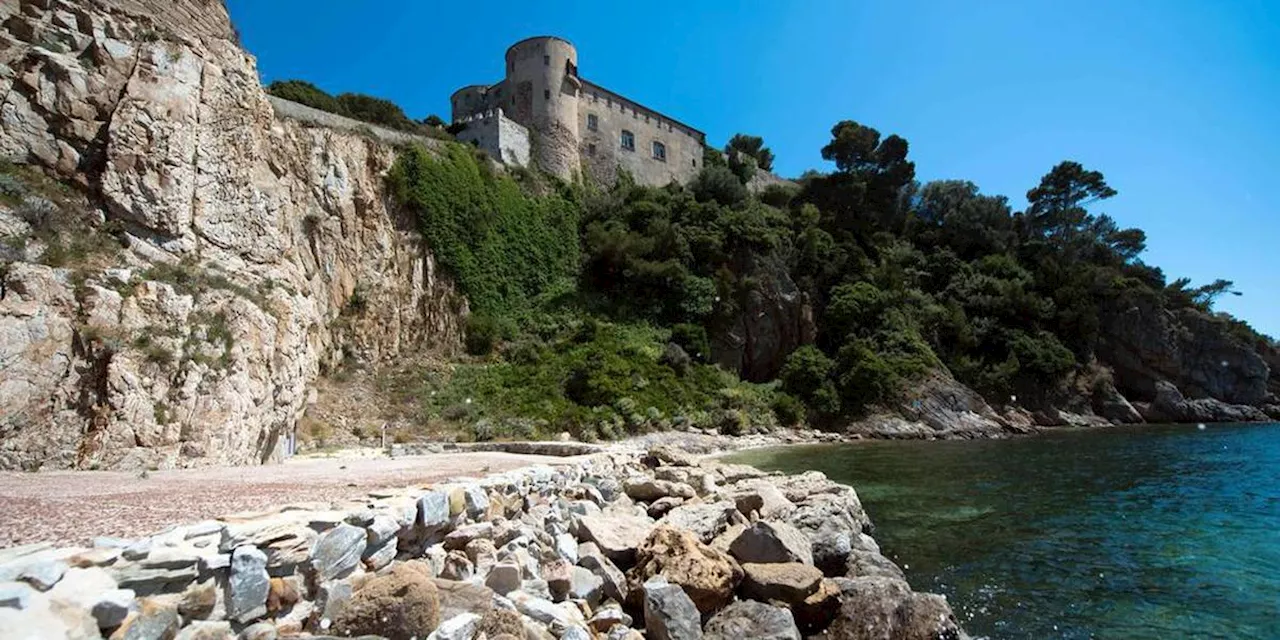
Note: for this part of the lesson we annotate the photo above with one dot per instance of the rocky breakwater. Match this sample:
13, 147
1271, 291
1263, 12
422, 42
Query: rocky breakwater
622, 546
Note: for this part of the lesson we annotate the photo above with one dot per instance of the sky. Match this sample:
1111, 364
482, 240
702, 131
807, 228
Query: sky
1176, 102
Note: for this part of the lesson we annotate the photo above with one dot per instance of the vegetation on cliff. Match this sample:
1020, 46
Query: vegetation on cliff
602, 300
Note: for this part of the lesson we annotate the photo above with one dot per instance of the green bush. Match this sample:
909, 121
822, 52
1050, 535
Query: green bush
693, 339
303, 92
788, 410
719, 184
504, 247
482, 335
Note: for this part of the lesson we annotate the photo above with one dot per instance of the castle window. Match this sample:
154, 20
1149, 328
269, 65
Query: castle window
546, 60
546, 93
628, 140
591, 149
659, 151
695, 163
593, 123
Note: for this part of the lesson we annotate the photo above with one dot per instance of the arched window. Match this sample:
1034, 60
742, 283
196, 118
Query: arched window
628, 140
659, 151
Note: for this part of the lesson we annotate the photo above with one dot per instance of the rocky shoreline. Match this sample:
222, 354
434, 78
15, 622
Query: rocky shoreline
621, 545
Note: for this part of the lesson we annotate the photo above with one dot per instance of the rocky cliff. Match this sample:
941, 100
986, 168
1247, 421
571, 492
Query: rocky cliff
1145, 345
181, 262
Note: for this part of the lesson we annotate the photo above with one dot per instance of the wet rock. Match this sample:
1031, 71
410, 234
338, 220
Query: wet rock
789, 582
707, 575
337, 551
400, 605
669, 613
772, 542
754, 620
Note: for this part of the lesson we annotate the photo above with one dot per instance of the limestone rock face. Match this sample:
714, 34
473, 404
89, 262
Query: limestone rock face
246, 237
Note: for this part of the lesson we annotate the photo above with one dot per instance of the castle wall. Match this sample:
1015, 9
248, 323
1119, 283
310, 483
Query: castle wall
501, 137
543, 74
602, 151
543, 94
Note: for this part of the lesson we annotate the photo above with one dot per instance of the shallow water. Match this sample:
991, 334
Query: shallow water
1145, 532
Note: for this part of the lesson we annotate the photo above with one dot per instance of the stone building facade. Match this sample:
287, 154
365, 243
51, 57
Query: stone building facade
573, 127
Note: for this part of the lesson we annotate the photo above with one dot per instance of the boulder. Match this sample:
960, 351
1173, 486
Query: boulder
247, 585
558, 575
707, 575
504, 578
669, 613
876, 608
816, 612
462, 536
463, 597
670, 455
754, 620
615, 583
772, 542
400, 605
650, 489
206, 630
460, 627
500, 622
616, 535
457, 566
706, 520
662, 506
337, 551
155, 620
433, 513
607, 618
789, 582
763, 498
587, 586
259, 631
556, 616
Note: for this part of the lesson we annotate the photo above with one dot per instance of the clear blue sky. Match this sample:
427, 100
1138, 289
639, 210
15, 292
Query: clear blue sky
1176, 102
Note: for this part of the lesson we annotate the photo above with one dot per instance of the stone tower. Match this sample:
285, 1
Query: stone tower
542, 76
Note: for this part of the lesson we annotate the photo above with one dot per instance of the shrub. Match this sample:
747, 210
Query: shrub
482, 334
503, 246
778, 195
788, 410
693, 339
677, 358
719, 184
304, 92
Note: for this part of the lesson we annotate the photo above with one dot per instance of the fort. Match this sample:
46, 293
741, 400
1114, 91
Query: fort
544, 112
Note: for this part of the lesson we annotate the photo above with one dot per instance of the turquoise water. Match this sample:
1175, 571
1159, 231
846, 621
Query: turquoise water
1150, 532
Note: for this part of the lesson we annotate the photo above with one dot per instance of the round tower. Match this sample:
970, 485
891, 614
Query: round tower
542, 76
